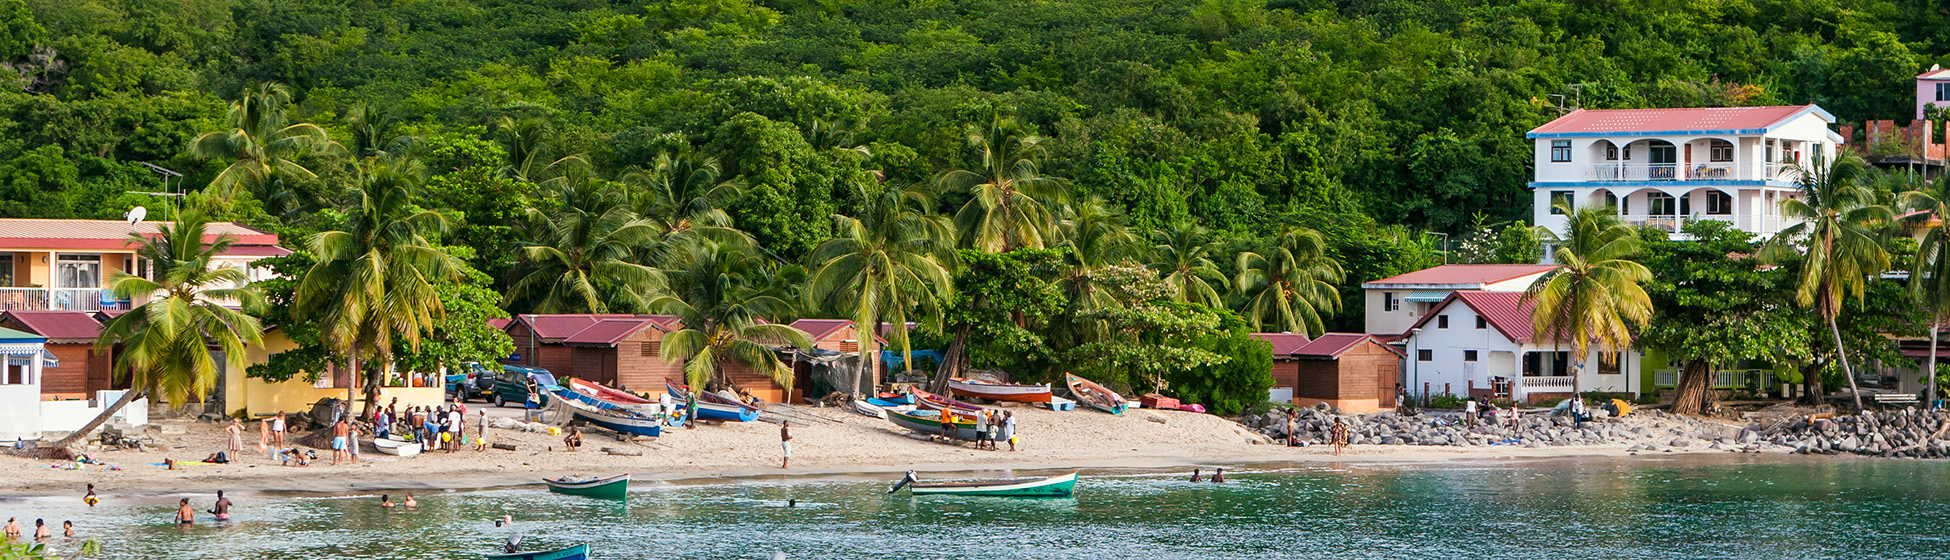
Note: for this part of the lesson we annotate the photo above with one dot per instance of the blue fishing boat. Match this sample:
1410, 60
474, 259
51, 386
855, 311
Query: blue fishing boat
621, 421
577, 552
708, 410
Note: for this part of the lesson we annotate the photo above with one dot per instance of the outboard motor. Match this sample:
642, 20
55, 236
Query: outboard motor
906, 480
513, 545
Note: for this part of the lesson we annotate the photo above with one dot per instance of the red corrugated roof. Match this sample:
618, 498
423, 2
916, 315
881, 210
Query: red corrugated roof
255, 251
66, 326
820, 328
1507, 312
1331, 345
1938, 74
608, 332
106, 234
1472, 274
1674, 120
1284, 344
559, 327
500, 323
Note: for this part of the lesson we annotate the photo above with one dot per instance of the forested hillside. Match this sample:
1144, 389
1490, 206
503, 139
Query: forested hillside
1370, 121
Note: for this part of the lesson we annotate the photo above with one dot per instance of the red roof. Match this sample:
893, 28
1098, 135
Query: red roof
59, 325
1935, 74
608, 332
500, 323
1694, 119
560, 327
1507, 312
1332, 345
1466, 274
255, 251
108, 234
1284, 344
820, 328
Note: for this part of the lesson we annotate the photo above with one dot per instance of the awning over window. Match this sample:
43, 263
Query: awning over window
1427, 296
14, 353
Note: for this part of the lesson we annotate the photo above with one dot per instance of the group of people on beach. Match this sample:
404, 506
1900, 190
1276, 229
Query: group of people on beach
992, 426
42, 532
444, 425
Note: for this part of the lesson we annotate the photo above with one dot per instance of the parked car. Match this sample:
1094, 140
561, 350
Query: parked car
511, 386
470, 381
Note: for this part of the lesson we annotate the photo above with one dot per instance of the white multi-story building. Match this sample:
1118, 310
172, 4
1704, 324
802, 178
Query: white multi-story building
1484, 344
1663, 167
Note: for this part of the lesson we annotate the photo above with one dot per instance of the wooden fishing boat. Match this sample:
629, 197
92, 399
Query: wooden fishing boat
401, 448
614, 488
599, 396
884, 403
710, 407
577, 552
623, 421
1090, 393
895, 398
866, 408
931, 401
990, 390
1060, 486
929, 422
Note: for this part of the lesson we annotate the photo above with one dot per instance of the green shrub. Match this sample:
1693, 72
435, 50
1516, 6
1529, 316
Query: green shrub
1446, 401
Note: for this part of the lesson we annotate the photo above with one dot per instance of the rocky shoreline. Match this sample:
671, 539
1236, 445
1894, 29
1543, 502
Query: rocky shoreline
1908, 433
1650, 431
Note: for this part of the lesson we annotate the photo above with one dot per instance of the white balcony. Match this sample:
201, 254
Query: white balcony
1546, 384
68, 299
1716, 171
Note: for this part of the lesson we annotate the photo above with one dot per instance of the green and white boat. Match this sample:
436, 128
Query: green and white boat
612, 488
1060, 486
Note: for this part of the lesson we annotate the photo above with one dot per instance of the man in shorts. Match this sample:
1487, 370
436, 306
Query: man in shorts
785, 444
982, 430
340, 432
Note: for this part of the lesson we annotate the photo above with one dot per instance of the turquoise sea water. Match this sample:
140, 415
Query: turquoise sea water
1722, 507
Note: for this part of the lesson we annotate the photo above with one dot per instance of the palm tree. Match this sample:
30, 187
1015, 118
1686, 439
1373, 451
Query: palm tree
1929, 277
1096, 236
165, 342
682, 194
373, 277
1595, 294
1291, 286
262, 147
1838, 222
884, 262
1183, 258
725, 317
586, 257
1011, 204
525, 142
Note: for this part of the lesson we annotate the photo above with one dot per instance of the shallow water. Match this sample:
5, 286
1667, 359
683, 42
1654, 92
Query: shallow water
1733, 507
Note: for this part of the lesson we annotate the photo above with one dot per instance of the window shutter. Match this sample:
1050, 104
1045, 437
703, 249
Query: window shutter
652, 348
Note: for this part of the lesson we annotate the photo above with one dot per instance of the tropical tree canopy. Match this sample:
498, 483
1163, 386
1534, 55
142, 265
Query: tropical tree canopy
263, 149
1011, 205
886, 263
1289, 286
726, 318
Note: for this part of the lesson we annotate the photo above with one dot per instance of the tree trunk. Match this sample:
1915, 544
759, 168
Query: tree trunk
127, 397
1695, 389
1811, 384
1929, 375
954, 362
1843, 354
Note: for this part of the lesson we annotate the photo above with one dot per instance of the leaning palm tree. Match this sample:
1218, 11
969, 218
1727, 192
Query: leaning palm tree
166, 342
373, 277
262, 148
1595, 294
725, 317
886, 260
1182, 256
1291, 286
1838, 230
1011, 205
1929, 276
584, 258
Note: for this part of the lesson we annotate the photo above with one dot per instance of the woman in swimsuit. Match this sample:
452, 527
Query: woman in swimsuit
184, 514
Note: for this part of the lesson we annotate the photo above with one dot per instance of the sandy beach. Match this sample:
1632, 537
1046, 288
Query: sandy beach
826, 441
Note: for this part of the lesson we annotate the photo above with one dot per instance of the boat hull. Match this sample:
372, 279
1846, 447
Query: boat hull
931, 401
922, 422
396, 447
577, 552
1096, 396
713, 407
612, 488
619, 421
1053, 487
1000, 391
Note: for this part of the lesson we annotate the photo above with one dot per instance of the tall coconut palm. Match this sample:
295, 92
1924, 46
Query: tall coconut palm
1011, 204
1595, 295
1929, 277
1096, 236
1838, 230
1291, 286
885, 260
725, 318
166, 342
682, 194
587, 256
373, 277
262, 148
1182, 256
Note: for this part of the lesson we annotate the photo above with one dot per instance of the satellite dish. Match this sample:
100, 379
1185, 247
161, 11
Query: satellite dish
136, 215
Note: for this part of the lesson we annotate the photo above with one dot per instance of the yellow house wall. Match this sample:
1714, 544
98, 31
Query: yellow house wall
262, 398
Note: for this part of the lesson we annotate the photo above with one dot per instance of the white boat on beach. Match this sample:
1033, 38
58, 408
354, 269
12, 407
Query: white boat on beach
397, 447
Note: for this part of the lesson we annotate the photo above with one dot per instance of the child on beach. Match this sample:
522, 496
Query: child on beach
1338, 435
90, 497
277, 430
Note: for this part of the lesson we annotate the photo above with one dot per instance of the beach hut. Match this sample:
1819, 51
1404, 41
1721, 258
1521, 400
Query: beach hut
71, 335
1352, 371
1286, 365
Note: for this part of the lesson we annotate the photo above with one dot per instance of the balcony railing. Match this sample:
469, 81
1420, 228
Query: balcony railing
1552, 384
1634, 172
72, 299
1709, 171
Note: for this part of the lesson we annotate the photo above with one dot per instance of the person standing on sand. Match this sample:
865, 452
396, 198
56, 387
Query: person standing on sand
277, 431
1338, 435
457, 422
222, 509
981, 429
185, 515
1009, 428
785, 444
352, 443
264, 437
1292, 427
1469, 412
236, 431
339, 432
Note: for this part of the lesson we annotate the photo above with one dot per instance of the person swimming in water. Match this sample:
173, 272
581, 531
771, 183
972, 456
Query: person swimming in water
90, 497
410, 502
41, 530
184, 514
1195, 473
222, 509
67, 529
385, 501
12, 532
